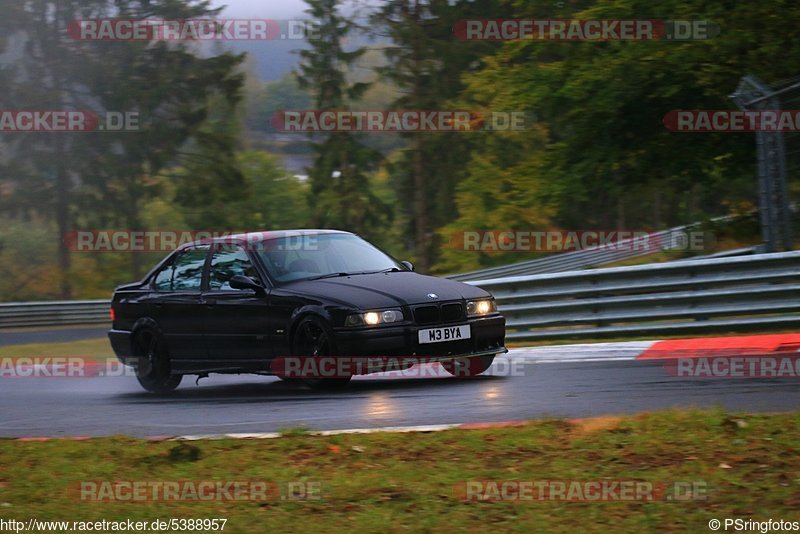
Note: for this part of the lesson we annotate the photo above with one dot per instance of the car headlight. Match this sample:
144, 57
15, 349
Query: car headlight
372, 318
481, 307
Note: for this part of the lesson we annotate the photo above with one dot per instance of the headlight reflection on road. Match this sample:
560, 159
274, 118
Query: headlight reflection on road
491, 395
380, 405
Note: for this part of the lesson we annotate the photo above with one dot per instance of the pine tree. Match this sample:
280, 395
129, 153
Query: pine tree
426, 62
340, 194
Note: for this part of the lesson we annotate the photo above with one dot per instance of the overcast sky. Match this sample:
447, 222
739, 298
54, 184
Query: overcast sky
262, 9
270, 9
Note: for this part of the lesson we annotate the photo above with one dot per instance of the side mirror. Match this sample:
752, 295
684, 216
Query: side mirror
408, 265
240, 281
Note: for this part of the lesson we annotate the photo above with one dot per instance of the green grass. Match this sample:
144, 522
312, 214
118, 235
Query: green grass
91, 349
86, 326
396, 482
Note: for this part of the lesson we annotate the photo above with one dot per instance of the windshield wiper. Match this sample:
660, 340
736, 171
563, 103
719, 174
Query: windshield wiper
336, 275
330, 275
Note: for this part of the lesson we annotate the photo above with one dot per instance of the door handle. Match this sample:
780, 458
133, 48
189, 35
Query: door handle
210, 303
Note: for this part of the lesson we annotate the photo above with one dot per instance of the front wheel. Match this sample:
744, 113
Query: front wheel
313, 339
468, 367
152, 362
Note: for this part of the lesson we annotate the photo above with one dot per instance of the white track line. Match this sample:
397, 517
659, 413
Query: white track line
584, 352
273, 435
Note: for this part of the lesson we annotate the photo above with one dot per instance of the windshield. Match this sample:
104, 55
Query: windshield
313, 256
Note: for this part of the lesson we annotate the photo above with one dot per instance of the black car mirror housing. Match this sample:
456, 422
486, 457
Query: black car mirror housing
240, 281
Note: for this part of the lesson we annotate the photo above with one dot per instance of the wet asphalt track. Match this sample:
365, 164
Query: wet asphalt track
32, 407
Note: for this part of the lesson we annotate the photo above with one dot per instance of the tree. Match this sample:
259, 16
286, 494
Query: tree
340, 195
600, 156
274, 97
276, 199
426, 63
107, 176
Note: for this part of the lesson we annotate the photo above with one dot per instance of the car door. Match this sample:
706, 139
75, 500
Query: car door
176, 306
236, 320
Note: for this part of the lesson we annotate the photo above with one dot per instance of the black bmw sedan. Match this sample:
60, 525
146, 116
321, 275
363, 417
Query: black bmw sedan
274, 302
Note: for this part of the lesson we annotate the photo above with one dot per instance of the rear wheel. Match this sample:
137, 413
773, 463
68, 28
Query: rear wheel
313, 339
152, 362
467, 367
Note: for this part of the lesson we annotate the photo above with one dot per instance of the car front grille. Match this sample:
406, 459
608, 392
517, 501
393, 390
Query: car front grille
426, 314
452, 312
446, 312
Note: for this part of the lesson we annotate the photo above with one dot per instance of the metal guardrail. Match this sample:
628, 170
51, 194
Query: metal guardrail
761, 291
634, 247
582, 259
65, 312
726, 294
727, 253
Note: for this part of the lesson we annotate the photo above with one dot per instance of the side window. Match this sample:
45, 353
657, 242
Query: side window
226, 263
185, 273
188, 271
163, 281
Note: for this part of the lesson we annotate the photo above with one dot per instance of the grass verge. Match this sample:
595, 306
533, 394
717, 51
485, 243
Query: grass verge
391, 482
97, 349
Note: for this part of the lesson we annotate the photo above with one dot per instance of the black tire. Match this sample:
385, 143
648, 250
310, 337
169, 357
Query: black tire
152, 361
468, 367
313, 338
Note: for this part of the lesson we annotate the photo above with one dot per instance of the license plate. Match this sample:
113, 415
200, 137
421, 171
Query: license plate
445, 333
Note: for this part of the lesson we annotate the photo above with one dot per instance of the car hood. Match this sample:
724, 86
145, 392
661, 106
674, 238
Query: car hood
387, 289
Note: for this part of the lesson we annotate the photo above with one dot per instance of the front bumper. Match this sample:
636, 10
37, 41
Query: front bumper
487, 337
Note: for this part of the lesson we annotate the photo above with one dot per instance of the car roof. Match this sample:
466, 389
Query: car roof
263, 235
